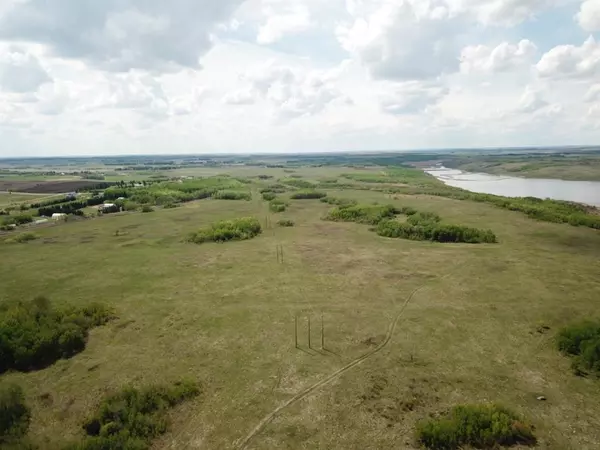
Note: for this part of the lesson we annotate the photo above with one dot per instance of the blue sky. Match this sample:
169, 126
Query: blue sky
81, 77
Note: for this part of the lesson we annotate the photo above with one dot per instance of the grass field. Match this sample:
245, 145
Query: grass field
573, 167
223, 314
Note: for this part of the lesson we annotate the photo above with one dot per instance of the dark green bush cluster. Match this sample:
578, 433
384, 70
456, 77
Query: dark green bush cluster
34, 335
72, 207
308, 195
366, 214
582, 342
14, 414
228, 230
232, 195
433, 231
132, 418
339, 201
147, 209
301, 184
423, 218
275, 189
268, 196
19, 219
286, 223
478, 426
277, 205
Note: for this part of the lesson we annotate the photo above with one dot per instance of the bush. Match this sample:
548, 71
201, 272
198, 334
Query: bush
286, 223
132, 418
228, 230
232, 195
423, 218
339, 201
308, 195
19, 219
432, 231
582, 342
277, 206
34, 335
268, 196
23, 238
479, 426
367, 214
130, 205
147, 209
14, 414
301, 184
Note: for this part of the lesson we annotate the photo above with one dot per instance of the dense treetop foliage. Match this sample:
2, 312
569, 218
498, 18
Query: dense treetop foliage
35, 334
132, 418
478, 426
228, 230
582, 342
308, 195
14, 415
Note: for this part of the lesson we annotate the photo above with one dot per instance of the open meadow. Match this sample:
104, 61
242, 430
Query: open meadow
411, 327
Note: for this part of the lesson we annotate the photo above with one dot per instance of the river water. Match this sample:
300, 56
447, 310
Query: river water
576, 191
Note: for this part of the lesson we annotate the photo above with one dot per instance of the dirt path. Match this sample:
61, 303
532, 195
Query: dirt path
266, 420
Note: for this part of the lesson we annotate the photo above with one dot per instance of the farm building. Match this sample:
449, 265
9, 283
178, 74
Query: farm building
59, 216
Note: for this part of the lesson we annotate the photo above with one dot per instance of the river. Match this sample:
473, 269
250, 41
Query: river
587, 192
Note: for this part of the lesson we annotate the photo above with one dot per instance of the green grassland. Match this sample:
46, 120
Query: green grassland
584, 167
474, 323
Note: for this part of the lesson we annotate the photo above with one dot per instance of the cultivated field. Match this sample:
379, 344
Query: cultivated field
473, 323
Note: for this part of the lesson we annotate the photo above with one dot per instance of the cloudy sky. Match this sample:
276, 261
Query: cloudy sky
92, 77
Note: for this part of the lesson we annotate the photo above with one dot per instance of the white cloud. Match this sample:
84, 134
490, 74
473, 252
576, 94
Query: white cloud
502, 58
569, 61
283, 18
21, 71
240, 97
412, 97
593, 94
589, 15
531, 100
501, 12
54, 99
120, 35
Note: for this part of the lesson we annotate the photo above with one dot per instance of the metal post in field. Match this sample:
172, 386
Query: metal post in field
322, 333
296, 330
309, 332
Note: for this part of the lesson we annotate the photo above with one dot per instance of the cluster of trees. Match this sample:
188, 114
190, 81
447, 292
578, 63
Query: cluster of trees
228, 230
268, 196
16, 219
232, 195
275, 189
475, 426
433, 231
366, 214
73, 207
34, 334
56, 201
14, 416
582, 342
308, 195
133, 417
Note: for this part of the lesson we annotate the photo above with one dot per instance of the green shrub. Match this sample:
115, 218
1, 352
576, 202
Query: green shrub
268, 196
479, 426
339, 201
277, 205
170, 205
14, 414
286, 223
132, 418
433, 231
228, 230
130, 205
18, 219
423, 218
582, 342
301, 184
308, 195
366, 214
147, 209
275, 189
232, 195
23, 238
34, 335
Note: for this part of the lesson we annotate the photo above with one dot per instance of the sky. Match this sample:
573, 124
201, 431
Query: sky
89, 77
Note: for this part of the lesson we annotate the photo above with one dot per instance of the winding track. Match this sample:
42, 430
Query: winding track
267, 419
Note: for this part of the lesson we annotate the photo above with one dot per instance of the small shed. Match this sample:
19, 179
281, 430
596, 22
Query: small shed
59, 216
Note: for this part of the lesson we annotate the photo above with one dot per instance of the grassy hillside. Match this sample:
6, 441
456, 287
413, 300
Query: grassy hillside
474, 323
